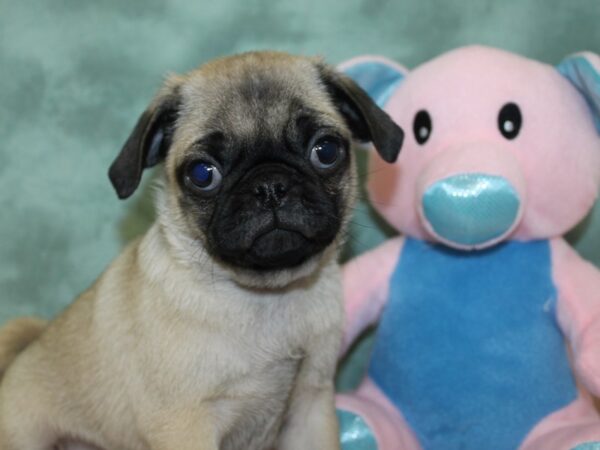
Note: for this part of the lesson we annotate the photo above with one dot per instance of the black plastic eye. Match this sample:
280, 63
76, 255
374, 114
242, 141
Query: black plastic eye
422, 126
510, 120
204, 176
325, 153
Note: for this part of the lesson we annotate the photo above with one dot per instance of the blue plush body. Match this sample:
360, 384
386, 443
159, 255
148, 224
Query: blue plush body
468, 347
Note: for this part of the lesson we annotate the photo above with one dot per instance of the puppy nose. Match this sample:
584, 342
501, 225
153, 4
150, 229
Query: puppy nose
271, 192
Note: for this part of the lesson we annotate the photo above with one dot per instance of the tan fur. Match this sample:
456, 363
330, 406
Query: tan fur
170, 350
16, 336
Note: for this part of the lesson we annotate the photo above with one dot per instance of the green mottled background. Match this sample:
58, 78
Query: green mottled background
75, 74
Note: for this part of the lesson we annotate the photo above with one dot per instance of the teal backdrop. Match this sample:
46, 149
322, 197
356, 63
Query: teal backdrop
75, 75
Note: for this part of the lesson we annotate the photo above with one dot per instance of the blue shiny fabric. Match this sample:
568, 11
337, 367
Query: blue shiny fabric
355, 434
471, 209
588, 446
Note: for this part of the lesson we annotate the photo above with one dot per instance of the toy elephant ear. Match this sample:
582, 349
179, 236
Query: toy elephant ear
378, 76
583, 71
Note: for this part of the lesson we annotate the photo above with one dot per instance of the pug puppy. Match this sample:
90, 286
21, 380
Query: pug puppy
220, 327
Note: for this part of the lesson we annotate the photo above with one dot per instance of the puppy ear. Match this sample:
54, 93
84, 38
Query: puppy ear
367, 121
148, 143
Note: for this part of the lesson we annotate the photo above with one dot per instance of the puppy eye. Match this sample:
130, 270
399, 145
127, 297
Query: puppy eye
510, 120
325, 153
204, 176
422, 126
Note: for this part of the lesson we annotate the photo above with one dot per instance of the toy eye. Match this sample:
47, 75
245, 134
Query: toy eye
510, 120
204, 176
422, 126
325, 153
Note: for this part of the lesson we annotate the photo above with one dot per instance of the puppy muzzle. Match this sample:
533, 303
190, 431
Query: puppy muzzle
276, 219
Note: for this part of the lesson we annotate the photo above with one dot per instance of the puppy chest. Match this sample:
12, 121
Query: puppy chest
256, 404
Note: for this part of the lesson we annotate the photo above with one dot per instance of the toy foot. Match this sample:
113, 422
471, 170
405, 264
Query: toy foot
588, 446
355, 434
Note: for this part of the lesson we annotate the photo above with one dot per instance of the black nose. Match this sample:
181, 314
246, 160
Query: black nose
271, 190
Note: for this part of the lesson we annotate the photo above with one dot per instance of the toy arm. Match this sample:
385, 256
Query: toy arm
578, 284
366, 286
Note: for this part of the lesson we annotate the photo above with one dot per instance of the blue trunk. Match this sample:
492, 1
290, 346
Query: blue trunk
468, 348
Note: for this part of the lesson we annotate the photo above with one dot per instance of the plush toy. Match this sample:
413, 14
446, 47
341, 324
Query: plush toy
489, 322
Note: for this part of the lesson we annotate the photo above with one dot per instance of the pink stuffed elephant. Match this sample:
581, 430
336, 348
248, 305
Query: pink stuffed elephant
489, 322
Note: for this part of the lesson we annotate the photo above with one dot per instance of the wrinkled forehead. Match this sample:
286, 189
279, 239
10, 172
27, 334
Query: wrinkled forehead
241, 101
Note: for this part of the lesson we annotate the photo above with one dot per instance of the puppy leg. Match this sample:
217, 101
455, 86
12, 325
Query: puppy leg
312, 421
25, 433
181, 430
24, 420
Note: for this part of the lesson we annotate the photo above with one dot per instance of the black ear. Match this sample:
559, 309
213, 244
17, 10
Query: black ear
365, 119
147, 145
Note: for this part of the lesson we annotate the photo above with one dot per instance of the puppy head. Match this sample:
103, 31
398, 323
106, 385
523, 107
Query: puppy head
258, 161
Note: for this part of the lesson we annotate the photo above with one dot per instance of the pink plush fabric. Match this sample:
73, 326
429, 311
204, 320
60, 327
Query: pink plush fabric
565, 429
578, 284
365, 296
463, 103
388, 425
554, 167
